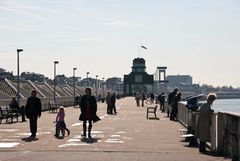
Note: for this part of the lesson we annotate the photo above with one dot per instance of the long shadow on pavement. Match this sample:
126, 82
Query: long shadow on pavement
90, 140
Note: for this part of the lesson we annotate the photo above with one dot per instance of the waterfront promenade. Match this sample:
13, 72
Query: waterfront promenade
127, 136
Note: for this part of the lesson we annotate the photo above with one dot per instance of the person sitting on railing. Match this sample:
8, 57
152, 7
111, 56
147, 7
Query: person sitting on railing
204, 121
14, 107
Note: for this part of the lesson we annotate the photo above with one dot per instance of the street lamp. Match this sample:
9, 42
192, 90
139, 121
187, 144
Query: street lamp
54, 86
74, 91
18, 95
87, 79
96, 86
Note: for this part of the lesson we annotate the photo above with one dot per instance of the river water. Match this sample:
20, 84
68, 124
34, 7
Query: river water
229, 105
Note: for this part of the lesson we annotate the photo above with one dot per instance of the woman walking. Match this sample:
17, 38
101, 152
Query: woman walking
88, 111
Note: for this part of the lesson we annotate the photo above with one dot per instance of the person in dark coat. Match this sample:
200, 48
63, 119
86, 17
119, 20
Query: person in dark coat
171, 97
108, 102
33, 111
88, 111
113, 103
152, 97
14, 107
174, 111
161, 99
143, 98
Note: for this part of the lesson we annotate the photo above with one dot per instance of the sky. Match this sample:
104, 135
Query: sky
200, 38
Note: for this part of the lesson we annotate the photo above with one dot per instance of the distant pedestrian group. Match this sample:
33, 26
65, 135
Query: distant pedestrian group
140, 98
111, 103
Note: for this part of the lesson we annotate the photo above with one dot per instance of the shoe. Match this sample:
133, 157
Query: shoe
33, 136
202, 150
68, 131
89, 136
83, 135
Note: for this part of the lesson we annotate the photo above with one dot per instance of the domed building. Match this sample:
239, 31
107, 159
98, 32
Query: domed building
138, 80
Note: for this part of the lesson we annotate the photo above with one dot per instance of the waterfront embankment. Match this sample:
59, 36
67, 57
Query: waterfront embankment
125, 136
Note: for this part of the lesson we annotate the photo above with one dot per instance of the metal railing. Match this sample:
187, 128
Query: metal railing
224, 130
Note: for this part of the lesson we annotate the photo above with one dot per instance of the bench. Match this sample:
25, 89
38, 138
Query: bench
152, 110
53, 107
6, 113
182, 131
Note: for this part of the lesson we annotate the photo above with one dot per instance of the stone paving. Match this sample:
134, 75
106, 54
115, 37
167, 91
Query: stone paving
127, 136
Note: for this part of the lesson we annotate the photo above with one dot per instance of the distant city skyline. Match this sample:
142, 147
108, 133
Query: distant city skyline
197, 38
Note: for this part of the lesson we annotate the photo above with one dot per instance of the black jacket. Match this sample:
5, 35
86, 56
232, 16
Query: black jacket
171, 97
33, 107
93, 107
113, 100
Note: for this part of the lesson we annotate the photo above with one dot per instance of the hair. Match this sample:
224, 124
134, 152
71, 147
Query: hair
212, 96
34, 91
88, 89
62, 108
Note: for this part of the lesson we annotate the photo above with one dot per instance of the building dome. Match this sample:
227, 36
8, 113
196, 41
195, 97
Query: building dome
138, 62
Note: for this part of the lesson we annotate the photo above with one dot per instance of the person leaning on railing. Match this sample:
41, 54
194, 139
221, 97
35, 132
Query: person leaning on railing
204, 122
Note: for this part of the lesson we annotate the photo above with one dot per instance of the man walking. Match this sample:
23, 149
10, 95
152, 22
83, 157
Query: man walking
108, 102
33, 112
113, 103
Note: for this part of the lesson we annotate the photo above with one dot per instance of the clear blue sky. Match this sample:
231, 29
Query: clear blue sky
196, 37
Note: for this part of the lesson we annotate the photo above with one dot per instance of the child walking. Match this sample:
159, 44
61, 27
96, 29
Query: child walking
60, 123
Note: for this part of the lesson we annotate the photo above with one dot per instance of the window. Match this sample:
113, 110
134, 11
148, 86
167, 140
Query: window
138, 78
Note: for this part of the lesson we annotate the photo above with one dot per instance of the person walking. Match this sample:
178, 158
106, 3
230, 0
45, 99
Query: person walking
60, 123
113, 103
152, 97
202, 131
161, 99
143, 97
88, 111
137, 98
33, 111
108, 102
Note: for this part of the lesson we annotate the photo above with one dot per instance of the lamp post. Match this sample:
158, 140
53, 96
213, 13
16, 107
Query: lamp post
96, 87
18, 95
54, 86
74, 90
87, 79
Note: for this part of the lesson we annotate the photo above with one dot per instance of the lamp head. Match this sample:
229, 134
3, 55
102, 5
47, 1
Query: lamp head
74, 68
56, 62
19, 50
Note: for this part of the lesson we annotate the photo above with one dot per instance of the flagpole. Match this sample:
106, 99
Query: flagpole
139, 51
